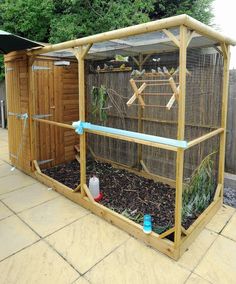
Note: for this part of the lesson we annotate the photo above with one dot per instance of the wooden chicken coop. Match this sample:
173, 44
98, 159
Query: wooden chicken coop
147, 103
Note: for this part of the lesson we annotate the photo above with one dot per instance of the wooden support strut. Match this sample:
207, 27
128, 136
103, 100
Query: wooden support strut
172, 37
80, 55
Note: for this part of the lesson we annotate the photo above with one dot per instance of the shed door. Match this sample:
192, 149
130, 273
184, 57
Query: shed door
17, 101
44, 99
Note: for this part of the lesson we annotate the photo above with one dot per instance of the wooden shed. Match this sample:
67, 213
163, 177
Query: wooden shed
148, 100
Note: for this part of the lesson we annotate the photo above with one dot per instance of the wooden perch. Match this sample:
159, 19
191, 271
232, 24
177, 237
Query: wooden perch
137, 93
175, 95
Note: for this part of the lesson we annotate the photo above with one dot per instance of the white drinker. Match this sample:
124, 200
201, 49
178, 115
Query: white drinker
94, 186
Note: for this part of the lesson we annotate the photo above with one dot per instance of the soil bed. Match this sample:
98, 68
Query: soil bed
124, 192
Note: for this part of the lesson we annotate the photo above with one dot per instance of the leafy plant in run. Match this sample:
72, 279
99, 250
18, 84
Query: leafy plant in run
199, 190
99, 97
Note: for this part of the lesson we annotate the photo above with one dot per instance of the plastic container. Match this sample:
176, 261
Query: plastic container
94, 188
147, 224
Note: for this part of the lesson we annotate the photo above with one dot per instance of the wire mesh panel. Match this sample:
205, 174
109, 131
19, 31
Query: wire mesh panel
145, 61
203, 91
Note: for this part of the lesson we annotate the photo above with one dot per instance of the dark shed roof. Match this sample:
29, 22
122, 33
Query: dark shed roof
10, 42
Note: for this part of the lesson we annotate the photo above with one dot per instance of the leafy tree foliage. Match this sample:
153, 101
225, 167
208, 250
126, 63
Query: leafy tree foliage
27, 18
198, 9
79, 18
60, 20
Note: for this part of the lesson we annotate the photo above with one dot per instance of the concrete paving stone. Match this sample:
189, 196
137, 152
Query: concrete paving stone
195, 279
81, 280
220, 219
219, 264
14, 236
13, 182
197, 249
230, 229
5, 157
87, 241
5, 170
4, 211
134, 262
37, 264
3, 146
28, 197
52, 215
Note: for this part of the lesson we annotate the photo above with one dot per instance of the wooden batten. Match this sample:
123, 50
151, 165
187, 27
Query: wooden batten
180, 136
136, 30
112, 217
224, 115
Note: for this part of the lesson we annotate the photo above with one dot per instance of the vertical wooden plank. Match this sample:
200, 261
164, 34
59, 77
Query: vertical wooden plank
31, 112
140, 121
82, 118
59, 132
226, 55
180, 135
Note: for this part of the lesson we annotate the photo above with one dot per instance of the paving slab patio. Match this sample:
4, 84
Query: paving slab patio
45, 238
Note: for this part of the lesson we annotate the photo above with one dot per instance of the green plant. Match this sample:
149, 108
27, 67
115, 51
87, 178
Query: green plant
99, 98
199, 189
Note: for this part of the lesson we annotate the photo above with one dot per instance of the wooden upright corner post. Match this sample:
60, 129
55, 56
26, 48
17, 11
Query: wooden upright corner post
80, 54
140, 119
226, 55
180, 136
32, 105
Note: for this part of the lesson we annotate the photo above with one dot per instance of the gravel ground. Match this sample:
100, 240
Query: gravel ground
230, 196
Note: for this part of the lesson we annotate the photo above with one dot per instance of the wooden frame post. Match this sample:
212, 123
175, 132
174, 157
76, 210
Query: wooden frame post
226, 56
180, 136
80, 55
140, 121
32, 126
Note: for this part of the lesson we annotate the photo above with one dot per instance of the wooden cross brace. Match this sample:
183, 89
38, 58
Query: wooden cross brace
137, 93
175, 95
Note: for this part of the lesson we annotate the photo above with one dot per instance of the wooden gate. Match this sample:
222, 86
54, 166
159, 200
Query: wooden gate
55, 92
18, 110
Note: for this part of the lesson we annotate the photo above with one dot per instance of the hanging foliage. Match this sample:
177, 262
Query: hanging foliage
199, 190
99, 97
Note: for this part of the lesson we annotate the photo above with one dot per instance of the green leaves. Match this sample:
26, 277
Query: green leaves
60, 20
99, 98
29, 18
198, 9
199, 189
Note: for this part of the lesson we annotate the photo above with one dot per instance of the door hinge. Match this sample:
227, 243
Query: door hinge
8, 69
62, 63
36, 67
41, 115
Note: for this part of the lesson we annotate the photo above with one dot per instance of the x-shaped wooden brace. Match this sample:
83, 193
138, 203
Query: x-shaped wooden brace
137, 93
175, 95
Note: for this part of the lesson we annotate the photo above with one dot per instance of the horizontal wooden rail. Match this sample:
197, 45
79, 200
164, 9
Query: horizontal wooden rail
205, 137
149, 119
59, 124
115, 136
135, 140
136, 30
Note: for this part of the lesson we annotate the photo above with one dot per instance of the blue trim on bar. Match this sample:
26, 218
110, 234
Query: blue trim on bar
80, 126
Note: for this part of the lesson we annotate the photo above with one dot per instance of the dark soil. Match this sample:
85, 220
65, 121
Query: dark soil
124, 192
